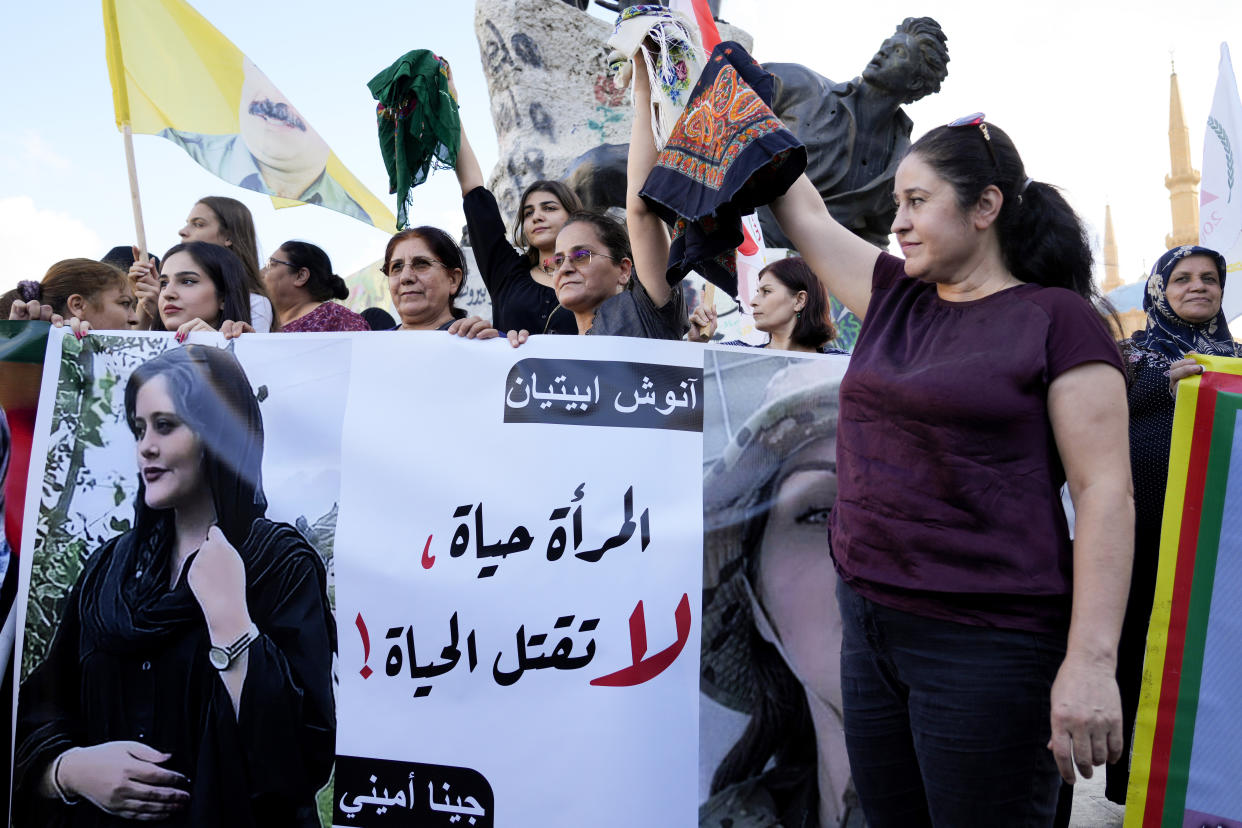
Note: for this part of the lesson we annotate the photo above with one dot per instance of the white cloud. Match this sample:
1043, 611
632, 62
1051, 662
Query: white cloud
36, 238
36, 150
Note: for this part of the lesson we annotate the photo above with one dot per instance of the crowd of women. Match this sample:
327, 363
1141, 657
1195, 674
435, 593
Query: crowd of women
985, 652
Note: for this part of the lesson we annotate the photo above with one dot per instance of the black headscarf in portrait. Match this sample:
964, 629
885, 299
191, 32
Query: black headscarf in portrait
125, 594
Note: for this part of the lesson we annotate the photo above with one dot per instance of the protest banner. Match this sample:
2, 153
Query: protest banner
772, 748
1188, 740
511, 539
517, 584
175, 75
114, 646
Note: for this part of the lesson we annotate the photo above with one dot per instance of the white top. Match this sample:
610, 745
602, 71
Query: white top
261, 313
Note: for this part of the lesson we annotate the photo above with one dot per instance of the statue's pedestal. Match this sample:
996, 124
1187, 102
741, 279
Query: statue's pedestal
551, 93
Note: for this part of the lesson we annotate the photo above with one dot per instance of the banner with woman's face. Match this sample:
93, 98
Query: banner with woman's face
770, 738
511, 538
184, 508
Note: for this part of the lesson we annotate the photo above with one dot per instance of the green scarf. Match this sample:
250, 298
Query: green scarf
418, 124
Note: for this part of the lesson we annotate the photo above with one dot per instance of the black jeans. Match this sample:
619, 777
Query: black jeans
947, 724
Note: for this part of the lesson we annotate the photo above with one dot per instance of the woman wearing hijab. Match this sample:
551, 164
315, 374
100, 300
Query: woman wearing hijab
1183, 305
976, 633
190, 677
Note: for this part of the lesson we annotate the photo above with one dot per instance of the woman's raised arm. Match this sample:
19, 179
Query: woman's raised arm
648, 236
842, 261
469, 173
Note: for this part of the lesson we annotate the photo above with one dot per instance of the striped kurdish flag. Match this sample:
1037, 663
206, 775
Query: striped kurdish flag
1186, 768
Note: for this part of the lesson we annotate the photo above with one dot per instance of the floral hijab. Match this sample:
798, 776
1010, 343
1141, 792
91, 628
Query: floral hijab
1167, 333
673, 69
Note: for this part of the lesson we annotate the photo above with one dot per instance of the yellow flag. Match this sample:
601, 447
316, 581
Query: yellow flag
174, 75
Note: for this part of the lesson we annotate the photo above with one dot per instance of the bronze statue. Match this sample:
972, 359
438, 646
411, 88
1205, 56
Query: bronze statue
855, 132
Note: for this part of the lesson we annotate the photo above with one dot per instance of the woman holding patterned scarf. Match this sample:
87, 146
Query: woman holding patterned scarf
1183, 305
976, 634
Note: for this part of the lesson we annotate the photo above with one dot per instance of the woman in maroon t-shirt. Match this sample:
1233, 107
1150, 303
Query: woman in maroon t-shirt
977, 634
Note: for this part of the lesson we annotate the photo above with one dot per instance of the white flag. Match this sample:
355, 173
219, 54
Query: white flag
1220, 194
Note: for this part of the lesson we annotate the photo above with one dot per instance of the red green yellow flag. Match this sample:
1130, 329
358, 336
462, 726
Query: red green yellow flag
1186, 768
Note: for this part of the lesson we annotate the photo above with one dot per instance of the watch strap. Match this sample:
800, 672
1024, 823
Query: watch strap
239, 646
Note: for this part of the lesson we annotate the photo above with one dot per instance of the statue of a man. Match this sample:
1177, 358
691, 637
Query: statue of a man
856, 133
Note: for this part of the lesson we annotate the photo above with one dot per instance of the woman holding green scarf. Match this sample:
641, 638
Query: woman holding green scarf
521, 292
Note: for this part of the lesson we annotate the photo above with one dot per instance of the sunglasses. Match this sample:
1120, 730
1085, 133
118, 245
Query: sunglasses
977, 120
419, 265
578, 258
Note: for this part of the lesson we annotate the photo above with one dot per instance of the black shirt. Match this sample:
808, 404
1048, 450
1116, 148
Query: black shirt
518, 301
142, 674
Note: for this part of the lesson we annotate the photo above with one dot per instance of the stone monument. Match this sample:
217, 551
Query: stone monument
552, 94
558, 113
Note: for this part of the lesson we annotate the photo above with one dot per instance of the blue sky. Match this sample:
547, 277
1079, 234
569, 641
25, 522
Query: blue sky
1081, 87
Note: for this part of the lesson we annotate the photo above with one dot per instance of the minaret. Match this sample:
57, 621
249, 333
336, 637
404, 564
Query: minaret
1112, 272
1130, 320
1184, 180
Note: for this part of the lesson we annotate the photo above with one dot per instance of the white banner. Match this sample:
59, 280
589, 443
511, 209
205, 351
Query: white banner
517, 581
511, 543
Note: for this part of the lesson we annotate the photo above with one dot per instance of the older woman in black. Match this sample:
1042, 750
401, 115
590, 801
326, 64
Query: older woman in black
190, 677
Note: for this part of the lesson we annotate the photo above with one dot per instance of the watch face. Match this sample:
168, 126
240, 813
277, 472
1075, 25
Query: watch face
219, 658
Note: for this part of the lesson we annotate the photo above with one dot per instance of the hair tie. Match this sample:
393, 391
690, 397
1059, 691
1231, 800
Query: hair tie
29, 290
1022, 189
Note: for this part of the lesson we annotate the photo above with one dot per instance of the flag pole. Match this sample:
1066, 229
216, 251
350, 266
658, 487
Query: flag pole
134, 198
120, 101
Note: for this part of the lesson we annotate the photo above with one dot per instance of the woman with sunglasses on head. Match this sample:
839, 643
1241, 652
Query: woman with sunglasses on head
426, 272
522, 294
980, 642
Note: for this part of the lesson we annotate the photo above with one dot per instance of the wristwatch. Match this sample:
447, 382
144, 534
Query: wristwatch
223, 657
